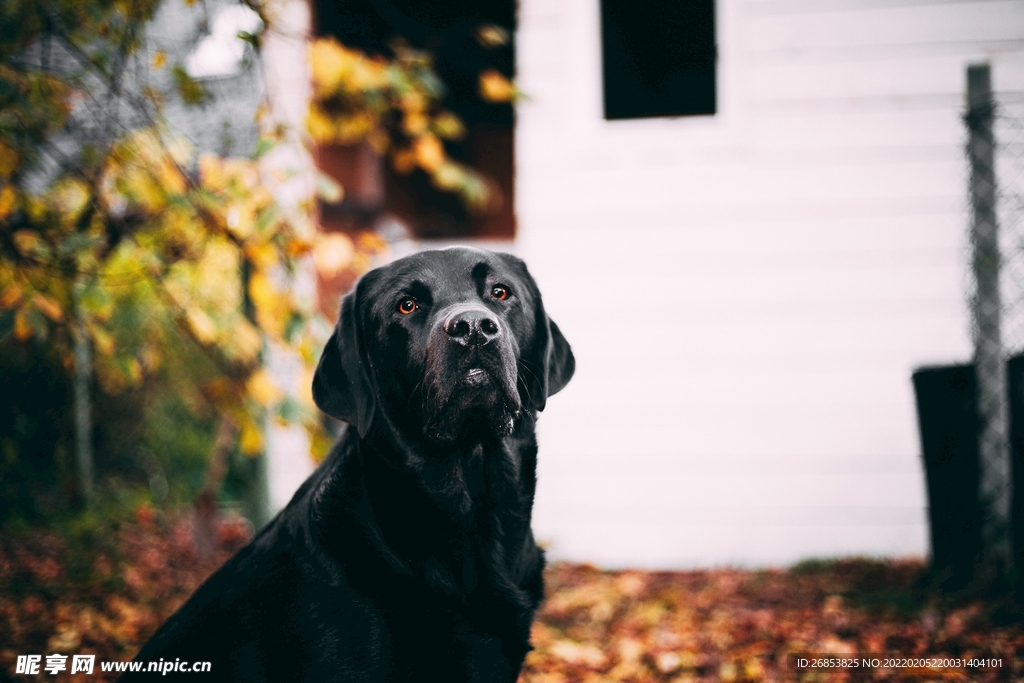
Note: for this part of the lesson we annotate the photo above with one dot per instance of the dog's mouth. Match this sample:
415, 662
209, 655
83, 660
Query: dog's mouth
476, 377
476, 403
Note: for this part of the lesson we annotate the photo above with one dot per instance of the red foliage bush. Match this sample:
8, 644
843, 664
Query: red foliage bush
105, 599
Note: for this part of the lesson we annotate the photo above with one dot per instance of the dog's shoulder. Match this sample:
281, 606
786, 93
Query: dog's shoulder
279, 607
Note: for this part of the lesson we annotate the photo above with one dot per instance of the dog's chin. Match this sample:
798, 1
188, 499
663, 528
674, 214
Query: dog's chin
477, 409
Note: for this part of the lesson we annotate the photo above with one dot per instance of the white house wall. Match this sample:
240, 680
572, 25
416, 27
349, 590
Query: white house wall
747, 294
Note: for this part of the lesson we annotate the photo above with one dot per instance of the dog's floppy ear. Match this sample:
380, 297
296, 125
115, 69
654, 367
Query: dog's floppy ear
341, 385
556, 362
550, 363
561, 364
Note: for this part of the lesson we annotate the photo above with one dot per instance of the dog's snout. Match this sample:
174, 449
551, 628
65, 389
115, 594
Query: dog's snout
472, 327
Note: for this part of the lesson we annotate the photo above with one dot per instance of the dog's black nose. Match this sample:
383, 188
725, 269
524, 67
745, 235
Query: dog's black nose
472, 327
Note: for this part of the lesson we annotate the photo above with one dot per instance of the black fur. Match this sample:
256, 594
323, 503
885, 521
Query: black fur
408, 554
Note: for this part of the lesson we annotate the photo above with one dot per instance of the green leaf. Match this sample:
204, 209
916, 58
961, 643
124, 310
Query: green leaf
251, 38
293, 327
328, 189
289, 410
77, 243
263, 145
265, 218
37, 321
192, 92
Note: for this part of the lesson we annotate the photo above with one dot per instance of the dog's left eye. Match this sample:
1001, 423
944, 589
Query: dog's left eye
407, 306
499, 292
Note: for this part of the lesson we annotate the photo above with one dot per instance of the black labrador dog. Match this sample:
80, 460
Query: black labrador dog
408, 554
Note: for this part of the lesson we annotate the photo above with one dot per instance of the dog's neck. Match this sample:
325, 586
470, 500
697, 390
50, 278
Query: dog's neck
449, 515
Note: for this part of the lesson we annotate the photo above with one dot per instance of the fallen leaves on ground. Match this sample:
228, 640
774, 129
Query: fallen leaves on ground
594, 626
56, 598
732, 625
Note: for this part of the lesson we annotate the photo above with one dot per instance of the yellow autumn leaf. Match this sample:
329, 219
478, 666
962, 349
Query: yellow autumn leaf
35, 207
365, 73
132, 370
404, 160
48, 306
263, 255
22, 328
448, 126
350, 129
240, 220
262, 291
273, 308
329, 189
70, 198
429, 152
263, 389
242, 174
728, 672
26, 240
320, 443
371, 241
102, 340
250, 439
8, 160
494, 87
171, 178
211, 172
159, 59
449, 176
11, 296
491, 35
327, 62
141, 187
298, 246
202, 325
572, 652
412, 101
332, 254
753, 670
178, 148
415, 123
8, 201
274, 319
319, 125
247, 342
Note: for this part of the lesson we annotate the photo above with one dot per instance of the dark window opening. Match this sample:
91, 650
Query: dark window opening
659, 57
447, 29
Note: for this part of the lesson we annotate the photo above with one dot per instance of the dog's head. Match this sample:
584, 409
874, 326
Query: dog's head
446, 346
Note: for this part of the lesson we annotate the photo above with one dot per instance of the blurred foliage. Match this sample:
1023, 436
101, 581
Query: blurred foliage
97, 584
177, 269
395, 106
594, 626
732, 625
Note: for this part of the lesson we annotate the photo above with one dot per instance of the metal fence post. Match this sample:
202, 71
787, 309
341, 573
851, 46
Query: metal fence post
993, 451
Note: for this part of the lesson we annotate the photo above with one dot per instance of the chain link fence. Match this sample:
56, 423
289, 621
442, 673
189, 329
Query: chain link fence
1008, 129
1009, 163
995, 159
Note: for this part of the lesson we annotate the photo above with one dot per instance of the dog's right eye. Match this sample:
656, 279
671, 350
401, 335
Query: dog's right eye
407, 306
